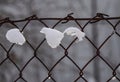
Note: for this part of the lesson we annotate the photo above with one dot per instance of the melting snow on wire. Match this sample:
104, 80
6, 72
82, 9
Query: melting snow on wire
15, 36
73, 31
54, 37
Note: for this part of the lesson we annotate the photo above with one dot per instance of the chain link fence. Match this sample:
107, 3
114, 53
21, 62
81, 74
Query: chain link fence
50, 75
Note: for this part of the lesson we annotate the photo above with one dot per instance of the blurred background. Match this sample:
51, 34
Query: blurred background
80, 52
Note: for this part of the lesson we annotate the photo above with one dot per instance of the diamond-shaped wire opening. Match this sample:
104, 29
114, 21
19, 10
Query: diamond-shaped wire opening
8, 74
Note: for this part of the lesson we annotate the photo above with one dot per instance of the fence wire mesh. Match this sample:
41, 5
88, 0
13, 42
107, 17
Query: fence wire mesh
97, 18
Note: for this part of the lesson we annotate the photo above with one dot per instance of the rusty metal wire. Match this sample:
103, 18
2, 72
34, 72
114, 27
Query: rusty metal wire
97, 18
